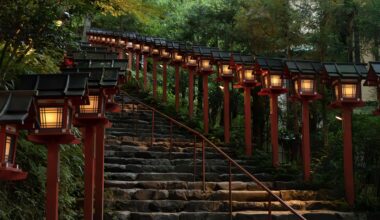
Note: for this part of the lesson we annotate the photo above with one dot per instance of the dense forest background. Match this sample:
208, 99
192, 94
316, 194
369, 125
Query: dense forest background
35, 33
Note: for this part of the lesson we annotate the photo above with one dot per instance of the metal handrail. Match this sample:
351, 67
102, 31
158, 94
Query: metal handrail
222, 153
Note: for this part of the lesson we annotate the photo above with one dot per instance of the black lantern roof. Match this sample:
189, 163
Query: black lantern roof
303, 67
242, 59
54, 85
99, 77
16, 106
159, 42
173, 45
270, 64
221, 56
373, 74
344, 70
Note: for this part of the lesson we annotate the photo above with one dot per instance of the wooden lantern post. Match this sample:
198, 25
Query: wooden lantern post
246, 79
165, 58
145, 51
22, 103
190, 63
303, 75
176, 61
272, 80
137, 50
225, 74
56, 98
155, 54
345, 79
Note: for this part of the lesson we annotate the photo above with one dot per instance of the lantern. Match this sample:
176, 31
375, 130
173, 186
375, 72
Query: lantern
17, 112
303, 75
246, 73
204, 60
222, 60
373, 79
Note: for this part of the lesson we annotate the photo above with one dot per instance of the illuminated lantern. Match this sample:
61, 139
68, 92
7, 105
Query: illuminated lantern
189, 63
56, 99
272, 76
345, 80
17, 111
222, 61
176, 61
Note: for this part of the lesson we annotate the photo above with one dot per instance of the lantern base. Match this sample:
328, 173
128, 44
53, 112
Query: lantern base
53, 138
12, 174
266, 91
353, 104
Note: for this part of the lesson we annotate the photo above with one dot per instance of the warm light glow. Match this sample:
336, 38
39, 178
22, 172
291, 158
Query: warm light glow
338, 118
136, 46
275, 81
103, 39
164, 53
145, 48
122, 42
177, 57
129, 45
266, 83
336, 89
51, 117
155, 51
113, 40
248, 75
307, 85
296, 87
9, 142
206, 64
191, 62
226, 69
93, 107
349, 91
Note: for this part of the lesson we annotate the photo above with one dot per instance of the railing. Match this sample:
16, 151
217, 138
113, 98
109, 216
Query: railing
205, 141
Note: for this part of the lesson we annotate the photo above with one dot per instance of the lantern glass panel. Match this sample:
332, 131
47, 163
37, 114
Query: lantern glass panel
130, 45
145, 48
206, 64
177, 57
249, 75
103, 39
276, 80
226, 70
113, 40
191, 61
349, 91
9, 148
93, 107
307, 85
164, 53
51, 117
336, 89
136, 46
155, 51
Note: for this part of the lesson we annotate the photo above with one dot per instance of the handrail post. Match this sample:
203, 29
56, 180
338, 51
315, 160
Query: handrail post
203, 166
171, 140
269, 207
230, 187
195, 158
152, 137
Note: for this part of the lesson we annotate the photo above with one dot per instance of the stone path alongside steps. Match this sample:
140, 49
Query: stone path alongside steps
145, 182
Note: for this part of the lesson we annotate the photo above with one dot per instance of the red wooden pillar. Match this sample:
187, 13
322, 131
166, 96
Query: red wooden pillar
99, 177
176, 87
155, 77
130, 58
164, 81
120, 52
226, 111
305, 140
137, 66
247, 121
205, 103
52, 183
191, 92
347, 155
274, 128
89, 172
145, 72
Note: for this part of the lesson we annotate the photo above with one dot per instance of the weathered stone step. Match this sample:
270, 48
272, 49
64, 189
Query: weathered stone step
186, 168
216, 195
215, 206
244, 215
158, 155
213, 177
168, 185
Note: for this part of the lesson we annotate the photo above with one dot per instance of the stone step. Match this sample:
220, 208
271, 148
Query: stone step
216, 206
212, 177
209, 186
158, 155
186, 168
243, 215
215, 195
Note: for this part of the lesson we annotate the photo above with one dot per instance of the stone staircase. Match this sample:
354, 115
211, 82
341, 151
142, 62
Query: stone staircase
158, 181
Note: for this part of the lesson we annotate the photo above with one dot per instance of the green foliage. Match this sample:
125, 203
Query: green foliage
26, 199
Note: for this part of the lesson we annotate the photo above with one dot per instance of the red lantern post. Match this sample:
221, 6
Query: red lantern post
303, 76
155, 54
145, 51
271, 71
190, 63
345, 79
176, 61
